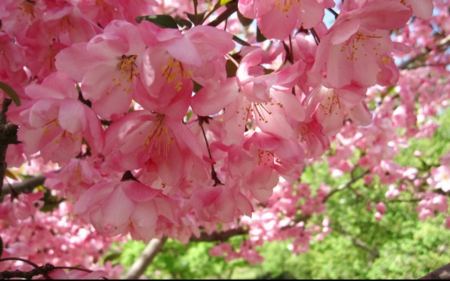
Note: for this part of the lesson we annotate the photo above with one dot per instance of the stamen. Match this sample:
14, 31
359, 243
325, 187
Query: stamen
174, 72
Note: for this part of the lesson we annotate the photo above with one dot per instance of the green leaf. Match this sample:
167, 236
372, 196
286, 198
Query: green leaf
240, 41
112, 256
163, 21
259, 36
197, 87
224, 2
231, 69
198, 20
183, 22
10, 92
245, 21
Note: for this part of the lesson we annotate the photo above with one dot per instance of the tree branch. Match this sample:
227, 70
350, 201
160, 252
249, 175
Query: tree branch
442, 44
8, 135
146, 258
26, 186
373, 253
231, 8
38, 270
347, 185
221, 236
442, 273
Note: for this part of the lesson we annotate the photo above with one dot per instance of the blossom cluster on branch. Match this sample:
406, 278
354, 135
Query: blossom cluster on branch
160, 118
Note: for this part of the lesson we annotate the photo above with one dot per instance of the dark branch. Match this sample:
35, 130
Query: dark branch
221, 236
202, 120
335, 14
441, 273
38, 270
8, 135
231, 8
441, 46
26, 186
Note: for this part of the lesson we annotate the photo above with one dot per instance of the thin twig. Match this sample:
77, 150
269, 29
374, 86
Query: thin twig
213, 171
231, 8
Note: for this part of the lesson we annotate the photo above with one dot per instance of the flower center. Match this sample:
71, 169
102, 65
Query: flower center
159, 139
363, 44
27, 8
127, 67
175, 72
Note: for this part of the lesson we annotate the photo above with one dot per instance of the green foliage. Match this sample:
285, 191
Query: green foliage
163, 21
10, 92
178, 261
399, 246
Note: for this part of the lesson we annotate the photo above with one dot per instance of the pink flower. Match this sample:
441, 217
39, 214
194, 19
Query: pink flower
173, 60
127, 206
219, 203
107, 67
277, 19
14, 210
447, 222
357, 48
74, 178
381, 208
314, 141
77, 274
440, 178
328, 106
55, 122
164, 147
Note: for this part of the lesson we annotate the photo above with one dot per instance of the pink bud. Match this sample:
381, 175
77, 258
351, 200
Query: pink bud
381, 207
368, 179
378, 216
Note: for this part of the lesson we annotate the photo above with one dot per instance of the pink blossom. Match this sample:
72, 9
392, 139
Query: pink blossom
107, 67
218, 204
440, 178
13, 210
76, 274
328, 106
120, 207
55, 122
381, 208
357, 48
277, 19
447, 222
173, 60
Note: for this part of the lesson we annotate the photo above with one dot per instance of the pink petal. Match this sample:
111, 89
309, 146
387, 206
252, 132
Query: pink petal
117, 208
342, 32
139, 192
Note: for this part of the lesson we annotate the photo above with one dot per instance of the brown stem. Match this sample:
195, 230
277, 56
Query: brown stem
335, 14
202, 120
231, 8
219, 236
316, 37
